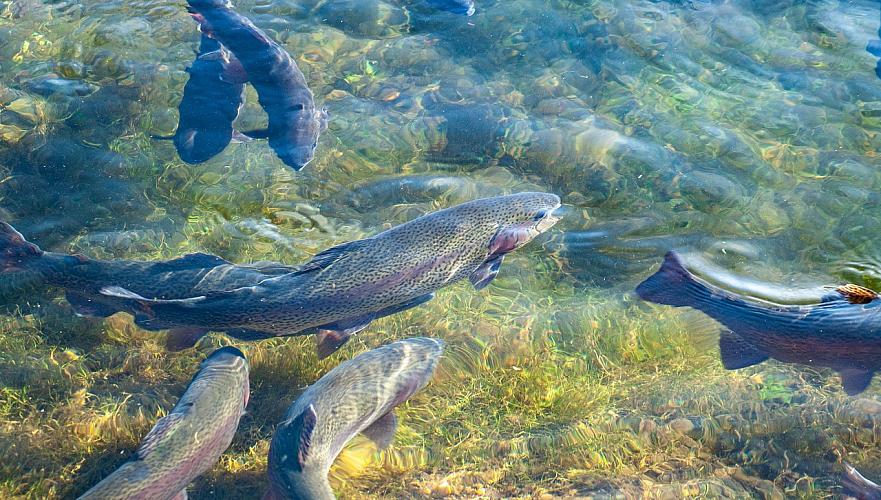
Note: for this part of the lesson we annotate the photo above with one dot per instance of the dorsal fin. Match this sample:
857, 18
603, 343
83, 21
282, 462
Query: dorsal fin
327, 257
190, 261
856, 294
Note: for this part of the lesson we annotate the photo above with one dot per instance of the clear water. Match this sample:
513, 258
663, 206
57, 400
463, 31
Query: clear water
743, 133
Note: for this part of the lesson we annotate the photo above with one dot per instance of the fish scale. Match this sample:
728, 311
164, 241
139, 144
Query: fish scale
190, 439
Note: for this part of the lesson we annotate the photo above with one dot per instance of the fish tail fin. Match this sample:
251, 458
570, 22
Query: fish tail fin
672, 284
16, 253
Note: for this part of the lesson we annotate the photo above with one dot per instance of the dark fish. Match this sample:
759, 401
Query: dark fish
189, 440
358, 396
210, 104
464, 7
859, 487
82, 278
842, 332
294, 121
342, 289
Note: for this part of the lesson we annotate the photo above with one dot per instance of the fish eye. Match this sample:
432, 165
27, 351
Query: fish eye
540, 215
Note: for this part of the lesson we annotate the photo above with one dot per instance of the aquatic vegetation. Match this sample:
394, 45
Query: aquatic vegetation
744, 132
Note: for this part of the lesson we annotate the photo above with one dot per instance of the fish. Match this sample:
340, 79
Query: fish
357, 396
210, 104
857, 486
842, 331
82, 278
294, 121
190, 439
464, 7
341, 290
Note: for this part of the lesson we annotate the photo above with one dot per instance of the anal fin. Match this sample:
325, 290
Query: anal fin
855, 380
382, 430
737, 353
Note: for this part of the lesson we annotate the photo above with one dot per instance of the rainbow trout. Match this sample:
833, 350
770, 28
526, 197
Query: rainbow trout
294, 121
189, 440
359, 395
82, 278
842, 331
342, 289
209, 105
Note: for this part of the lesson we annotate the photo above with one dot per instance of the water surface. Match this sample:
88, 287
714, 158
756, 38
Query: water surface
743, 133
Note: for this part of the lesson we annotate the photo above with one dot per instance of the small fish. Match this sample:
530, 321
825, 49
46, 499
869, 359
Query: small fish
342, 289
358, 396
294, 121
189, 440
842, 332
464, 7
857, 486
82, 278
210, 104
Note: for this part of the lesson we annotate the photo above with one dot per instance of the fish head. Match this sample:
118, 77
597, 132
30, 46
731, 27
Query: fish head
506, 223
296, 147
233, 360
413, 362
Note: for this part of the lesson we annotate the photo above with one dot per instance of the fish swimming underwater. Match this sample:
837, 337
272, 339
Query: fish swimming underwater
857, 486
342, 289
464, 7
82, 278
189, 440
209, 105
358, 396
294, 121
842, 331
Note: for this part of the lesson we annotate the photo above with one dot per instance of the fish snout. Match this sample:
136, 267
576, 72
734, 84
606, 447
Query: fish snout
296, 157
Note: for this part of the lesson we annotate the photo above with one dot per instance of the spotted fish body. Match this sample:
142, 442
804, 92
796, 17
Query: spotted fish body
209, 105
342, 289
358, 396
189, 440
842, 332
82, 278
294, 121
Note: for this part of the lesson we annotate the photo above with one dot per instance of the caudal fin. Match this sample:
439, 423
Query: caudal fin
16, 253
671, 285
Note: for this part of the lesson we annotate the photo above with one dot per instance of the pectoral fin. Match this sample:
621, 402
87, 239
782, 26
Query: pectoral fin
293, 439
737, 353
257, 134
179, 339
382, 431
855, 380
486, 272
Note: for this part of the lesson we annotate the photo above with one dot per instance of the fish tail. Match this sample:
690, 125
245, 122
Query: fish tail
672, 284
16, 253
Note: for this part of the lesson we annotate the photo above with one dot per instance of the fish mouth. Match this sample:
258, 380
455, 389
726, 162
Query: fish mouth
549, 220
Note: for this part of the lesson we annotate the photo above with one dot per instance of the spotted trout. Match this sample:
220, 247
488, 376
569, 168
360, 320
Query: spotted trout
358, 396
82, 278
189, 440
342, 289
209, 105
294, 121
842, 331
